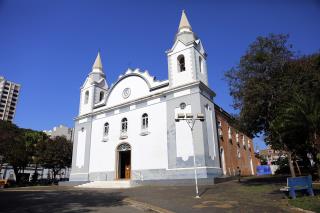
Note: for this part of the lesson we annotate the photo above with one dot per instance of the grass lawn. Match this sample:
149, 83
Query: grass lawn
263, 188
308, 202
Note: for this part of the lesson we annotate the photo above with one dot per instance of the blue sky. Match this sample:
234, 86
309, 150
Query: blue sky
49, 46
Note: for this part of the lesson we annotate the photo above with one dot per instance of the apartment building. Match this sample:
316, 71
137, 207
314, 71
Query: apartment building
9, 92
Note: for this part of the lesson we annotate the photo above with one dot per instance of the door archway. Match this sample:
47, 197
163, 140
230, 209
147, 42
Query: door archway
223, 162
251, 166
124, 161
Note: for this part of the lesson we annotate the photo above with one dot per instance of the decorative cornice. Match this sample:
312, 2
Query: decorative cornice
201, 85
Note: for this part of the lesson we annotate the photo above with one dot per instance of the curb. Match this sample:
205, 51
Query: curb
301, 210
146, 206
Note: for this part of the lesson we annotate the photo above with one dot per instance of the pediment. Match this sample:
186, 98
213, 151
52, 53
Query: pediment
132, 85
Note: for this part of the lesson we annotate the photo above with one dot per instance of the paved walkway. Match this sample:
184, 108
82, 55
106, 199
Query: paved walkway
252, 195
248, 196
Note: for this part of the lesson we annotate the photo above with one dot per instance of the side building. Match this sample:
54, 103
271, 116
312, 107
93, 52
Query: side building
9, 92
236, 148
60, 130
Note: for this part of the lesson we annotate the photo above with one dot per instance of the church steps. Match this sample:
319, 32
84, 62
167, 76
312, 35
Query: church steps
118, 184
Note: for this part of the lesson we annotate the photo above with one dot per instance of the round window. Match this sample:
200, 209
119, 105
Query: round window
183, 105
126, 92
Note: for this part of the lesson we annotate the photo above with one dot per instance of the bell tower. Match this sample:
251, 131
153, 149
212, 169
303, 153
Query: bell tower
187, 57
94, 89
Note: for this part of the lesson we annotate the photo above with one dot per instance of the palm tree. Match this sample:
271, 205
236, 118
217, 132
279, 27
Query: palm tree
301, 119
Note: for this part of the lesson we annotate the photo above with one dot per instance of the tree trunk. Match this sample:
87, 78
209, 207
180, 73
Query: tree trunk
54, 174
35, 174
16, 173
317, 145
293, 174
298, 167
0, 171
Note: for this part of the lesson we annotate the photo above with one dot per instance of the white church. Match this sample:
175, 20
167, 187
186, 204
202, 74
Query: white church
128, 130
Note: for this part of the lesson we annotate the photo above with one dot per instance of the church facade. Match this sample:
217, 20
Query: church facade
128, 130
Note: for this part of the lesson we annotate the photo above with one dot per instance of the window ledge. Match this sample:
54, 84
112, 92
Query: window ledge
105, 139
144, 132
123, 135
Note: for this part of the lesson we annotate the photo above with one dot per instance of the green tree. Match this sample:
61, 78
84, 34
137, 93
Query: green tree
256, 82
32, 139
55, 154
301, 120
18, 146
274, 93
13, 148
299, 116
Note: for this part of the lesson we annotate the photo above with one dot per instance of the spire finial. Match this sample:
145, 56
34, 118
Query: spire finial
97, 63
184, 23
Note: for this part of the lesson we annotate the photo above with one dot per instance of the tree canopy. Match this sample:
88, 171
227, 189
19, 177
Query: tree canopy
22, 147
55, 154
277, 93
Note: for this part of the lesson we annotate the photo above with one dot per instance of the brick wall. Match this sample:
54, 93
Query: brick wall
236, 153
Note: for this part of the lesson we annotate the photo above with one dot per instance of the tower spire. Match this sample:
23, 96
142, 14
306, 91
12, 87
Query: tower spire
184, 23
97, 63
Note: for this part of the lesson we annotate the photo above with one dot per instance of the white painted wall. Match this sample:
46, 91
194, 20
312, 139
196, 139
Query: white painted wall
183, 135
211, 132
86, 108
137, 85
177, 77
148, 152
192, 72
202, 76
81, 148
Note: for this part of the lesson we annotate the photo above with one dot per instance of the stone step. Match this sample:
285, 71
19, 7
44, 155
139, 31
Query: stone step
118, 184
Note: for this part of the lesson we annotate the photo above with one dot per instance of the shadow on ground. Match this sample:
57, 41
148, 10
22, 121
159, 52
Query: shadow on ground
264, 180
58, 201
278, 182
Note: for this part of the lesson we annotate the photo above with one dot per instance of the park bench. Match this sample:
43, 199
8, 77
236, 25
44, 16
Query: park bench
3, 183
298, 183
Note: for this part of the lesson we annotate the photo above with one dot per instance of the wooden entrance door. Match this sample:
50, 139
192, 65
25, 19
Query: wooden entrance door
128, 172
124, 164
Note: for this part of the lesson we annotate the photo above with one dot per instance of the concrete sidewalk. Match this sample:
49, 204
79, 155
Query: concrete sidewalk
224, 197
251, 195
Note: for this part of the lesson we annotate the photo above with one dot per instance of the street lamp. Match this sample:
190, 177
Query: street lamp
188, 117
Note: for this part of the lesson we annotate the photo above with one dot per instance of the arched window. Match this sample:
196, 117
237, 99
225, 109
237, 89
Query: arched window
86, 97
124, 125
219, 124
101, 96
106, 129
229, 132
200, 64
145, 121
181, 63
123, 147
